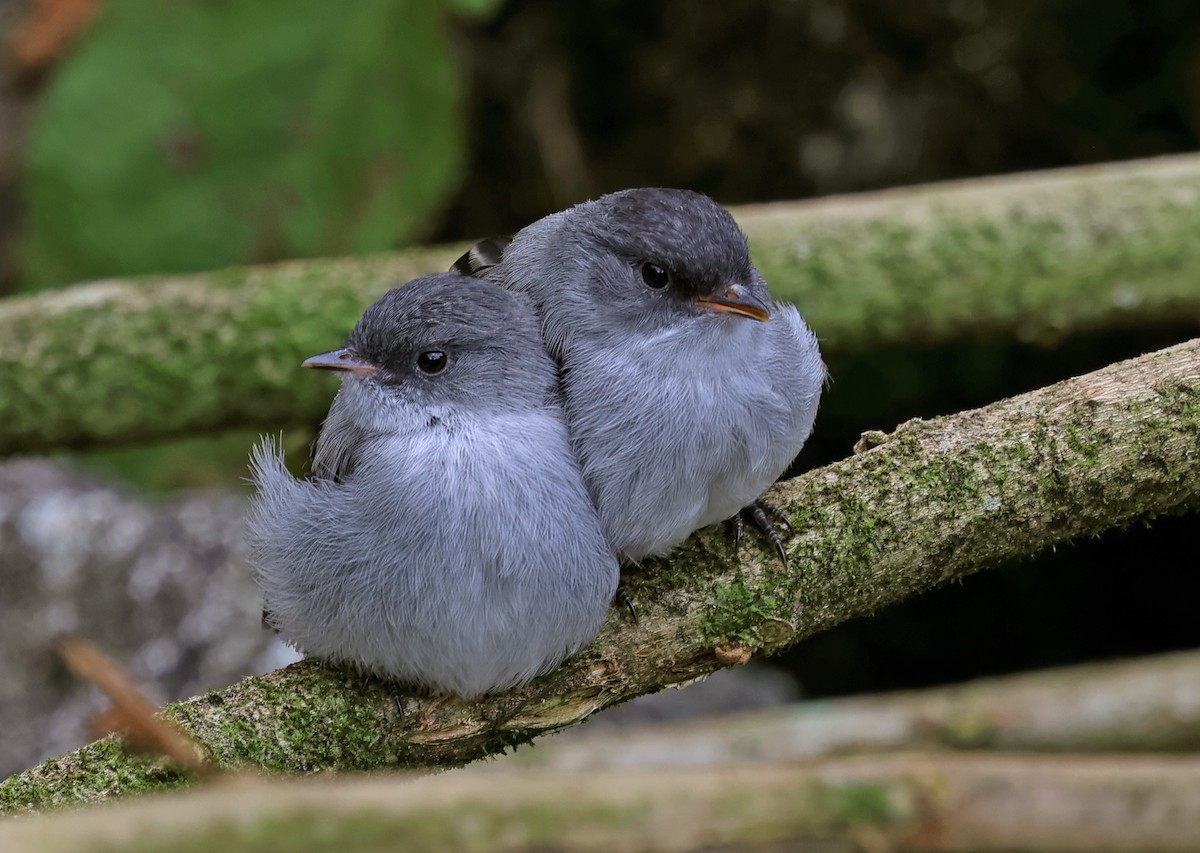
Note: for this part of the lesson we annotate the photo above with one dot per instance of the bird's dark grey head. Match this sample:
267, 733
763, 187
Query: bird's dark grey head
686, 233
448, 338
652, 257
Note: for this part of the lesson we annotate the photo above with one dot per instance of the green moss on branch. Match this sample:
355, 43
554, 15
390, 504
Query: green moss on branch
1029, 256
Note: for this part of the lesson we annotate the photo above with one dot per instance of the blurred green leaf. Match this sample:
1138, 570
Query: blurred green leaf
191, 135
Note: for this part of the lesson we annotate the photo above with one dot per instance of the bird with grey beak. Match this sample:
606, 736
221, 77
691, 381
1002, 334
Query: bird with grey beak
688, 389
444, 537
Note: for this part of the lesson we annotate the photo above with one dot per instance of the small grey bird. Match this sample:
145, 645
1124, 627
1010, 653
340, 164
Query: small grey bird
688, 390
444, 537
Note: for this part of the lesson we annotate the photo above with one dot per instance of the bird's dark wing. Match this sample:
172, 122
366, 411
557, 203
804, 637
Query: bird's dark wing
338, 444
481, 257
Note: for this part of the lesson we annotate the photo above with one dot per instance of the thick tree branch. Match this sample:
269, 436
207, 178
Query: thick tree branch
934, 501
908, 801
1028, 256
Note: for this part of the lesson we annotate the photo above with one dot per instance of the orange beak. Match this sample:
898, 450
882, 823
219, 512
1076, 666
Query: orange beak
736, 299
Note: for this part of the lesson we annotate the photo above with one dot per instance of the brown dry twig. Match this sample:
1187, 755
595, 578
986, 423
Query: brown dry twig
132, 716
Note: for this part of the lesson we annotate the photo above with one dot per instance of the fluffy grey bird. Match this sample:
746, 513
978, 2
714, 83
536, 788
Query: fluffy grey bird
444, 536
688, 390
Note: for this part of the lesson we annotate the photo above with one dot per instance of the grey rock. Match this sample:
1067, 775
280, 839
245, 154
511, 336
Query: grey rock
162, 588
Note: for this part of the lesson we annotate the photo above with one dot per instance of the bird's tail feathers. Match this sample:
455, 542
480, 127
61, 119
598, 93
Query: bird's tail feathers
268, 470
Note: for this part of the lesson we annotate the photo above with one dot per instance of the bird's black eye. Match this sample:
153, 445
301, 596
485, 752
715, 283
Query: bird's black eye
431, 362
655, 276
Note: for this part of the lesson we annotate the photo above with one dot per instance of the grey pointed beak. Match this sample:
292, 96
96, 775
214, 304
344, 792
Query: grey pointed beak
341, 360
737, 299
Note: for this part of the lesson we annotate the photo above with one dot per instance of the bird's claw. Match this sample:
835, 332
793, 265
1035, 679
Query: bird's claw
735, 526
623, 599
769, 520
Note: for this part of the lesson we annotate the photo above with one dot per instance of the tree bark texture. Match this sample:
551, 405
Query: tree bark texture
1032, 256
933, 501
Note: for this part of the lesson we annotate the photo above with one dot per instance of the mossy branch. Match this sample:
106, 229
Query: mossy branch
1028, 256
933, 501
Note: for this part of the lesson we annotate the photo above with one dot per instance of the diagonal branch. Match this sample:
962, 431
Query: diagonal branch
1033, 257
933, 501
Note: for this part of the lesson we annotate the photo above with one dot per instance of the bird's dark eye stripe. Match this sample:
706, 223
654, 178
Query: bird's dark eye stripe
655, 276
432, 361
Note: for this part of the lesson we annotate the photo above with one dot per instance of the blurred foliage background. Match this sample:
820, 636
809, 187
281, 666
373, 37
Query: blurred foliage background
141, 136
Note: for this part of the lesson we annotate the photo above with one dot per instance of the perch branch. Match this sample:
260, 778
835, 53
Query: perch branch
934, 501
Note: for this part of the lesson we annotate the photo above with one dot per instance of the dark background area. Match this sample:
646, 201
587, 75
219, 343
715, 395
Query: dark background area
760, 101
756, 101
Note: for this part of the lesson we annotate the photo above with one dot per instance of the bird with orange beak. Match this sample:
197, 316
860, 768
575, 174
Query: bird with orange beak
688, 389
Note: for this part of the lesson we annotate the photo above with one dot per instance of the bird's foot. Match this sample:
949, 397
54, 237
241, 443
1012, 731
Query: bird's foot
623, 600
770, 521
